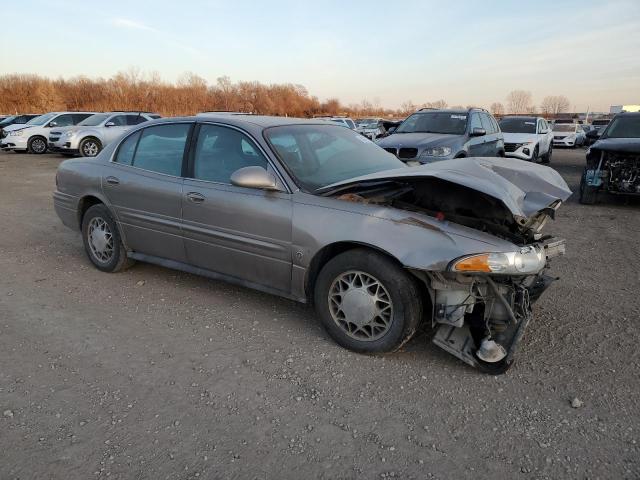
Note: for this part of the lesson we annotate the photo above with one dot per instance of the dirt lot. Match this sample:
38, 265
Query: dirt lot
154, 374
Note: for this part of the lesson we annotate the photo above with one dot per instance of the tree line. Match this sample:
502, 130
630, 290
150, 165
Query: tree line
131, 90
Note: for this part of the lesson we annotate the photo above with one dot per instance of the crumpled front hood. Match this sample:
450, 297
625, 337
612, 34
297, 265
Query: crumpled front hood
524, 188
416, 140
622, 145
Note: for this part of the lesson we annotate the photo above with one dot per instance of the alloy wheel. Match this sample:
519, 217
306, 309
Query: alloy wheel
360, 305
38, 145
90, 149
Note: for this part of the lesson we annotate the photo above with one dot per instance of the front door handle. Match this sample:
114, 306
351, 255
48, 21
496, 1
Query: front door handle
112, 181
195, 197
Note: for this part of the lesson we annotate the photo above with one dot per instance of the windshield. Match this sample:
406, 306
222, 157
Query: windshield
8, 120
564, 127
518, 125
435, 122
42, 119
319, 155
623, 127
94, 120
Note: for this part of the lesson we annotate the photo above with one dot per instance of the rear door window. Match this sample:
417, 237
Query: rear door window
135, 119
161, 148
127, 149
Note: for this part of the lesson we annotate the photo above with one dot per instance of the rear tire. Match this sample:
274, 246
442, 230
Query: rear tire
588, 194
102, 241
37, 145
366, 302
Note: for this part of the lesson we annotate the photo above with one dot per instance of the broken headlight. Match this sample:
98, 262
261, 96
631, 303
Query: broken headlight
527, 260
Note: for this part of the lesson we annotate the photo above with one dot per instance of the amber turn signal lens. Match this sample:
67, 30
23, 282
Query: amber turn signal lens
477, 263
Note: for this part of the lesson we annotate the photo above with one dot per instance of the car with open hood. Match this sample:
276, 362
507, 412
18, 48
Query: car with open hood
527, 138
613, 161
32, 136
431, 135
319, 214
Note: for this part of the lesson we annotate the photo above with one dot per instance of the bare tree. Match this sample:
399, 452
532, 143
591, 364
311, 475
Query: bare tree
497, 108
437, 104
554, 104
519, 101
407, 108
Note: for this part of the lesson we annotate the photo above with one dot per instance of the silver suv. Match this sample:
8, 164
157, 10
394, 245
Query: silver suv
90, 136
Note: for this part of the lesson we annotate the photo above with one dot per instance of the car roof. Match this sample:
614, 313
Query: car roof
263, 121
523, 117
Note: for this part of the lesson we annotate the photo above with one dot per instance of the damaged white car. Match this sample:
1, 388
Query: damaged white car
317, 213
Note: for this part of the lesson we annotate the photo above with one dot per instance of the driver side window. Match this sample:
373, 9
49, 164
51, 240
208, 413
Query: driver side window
475, 122
220, 151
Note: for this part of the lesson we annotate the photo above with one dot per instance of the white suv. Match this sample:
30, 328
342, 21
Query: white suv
527, 138
32, 136
90, 136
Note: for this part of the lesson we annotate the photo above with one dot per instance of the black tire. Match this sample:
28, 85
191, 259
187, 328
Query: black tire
588, 194
536, 153
90, 147
117, 260
405, 299
546, 158
37, 145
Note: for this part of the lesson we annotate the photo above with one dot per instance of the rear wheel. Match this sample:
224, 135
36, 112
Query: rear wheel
366, 302
588, 194
102, 241
90, 147
37, 145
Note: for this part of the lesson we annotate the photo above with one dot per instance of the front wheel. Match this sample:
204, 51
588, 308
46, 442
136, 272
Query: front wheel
90, 147
366, 302
546, 158
588, 193
102, 241
37, 145
534, 155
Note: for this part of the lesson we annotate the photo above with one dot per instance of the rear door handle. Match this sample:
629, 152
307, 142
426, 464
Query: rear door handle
112, 181
195, 197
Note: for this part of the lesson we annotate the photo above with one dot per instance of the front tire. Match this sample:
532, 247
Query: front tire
534, 156
37, 145
366, 302
588, 194
546, 158
102, 241
90, 147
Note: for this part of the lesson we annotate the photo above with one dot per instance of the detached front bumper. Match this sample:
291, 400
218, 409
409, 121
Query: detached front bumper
482, 318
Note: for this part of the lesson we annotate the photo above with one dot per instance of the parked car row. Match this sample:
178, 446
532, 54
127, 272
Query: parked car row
71, 133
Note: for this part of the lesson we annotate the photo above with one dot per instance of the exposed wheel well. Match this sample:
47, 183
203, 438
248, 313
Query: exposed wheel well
330, 251
460, 155
85, 204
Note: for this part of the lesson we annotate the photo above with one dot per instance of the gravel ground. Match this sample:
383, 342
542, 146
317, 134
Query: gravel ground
154, 374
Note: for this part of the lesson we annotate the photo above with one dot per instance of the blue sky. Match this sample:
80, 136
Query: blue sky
386, 52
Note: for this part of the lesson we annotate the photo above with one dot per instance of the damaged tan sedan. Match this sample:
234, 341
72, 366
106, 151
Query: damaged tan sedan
318, 213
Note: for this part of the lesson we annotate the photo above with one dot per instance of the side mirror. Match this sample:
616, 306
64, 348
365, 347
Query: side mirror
478, 132
109, 124
254, 177
53, 124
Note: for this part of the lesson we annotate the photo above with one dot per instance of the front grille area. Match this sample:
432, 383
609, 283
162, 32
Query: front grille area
559, 138
408, 153
53, 139
391, 150
510, 147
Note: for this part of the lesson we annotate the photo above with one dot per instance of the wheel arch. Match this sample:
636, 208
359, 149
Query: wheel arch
86, 202
330, 251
